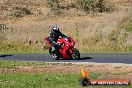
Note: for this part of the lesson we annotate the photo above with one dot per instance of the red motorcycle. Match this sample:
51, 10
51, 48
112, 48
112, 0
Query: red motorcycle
66, 51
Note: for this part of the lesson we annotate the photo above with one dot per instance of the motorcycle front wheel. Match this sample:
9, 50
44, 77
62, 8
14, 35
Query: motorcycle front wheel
75, 54
54, 54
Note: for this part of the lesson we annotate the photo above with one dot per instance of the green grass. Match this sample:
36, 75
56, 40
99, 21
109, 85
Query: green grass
21, 48
128, 30
13, 63
38, 80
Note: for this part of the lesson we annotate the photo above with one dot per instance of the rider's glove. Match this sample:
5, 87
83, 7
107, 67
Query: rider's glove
66, 39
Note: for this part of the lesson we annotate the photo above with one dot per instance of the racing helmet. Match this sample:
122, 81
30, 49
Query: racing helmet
55, 30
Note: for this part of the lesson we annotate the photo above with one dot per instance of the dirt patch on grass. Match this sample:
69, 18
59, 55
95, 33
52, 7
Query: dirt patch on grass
68, 67
46, 68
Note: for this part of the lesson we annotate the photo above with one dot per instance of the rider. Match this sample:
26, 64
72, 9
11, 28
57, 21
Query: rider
54, 36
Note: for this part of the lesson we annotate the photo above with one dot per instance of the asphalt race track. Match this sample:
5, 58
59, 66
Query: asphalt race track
85, 57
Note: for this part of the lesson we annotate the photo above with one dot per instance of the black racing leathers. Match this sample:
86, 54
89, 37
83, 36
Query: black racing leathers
53, 40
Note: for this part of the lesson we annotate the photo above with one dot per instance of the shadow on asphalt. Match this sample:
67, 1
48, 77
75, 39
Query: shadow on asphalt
82, 58
5, 55
85, 58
